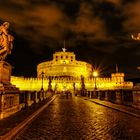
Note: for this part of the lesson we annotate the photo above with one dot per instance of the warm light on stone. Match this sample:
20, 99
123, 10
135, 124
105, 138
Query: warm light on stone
64, 64
9, 94
136, 37
65, 70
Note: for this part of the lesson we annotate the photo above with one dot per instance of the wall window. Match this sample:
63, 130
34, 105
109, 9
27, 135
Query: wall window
64, 62
71, 58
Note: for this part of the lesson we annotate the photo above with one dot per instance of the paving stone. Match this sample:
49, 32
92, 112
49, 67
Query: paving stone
78, 119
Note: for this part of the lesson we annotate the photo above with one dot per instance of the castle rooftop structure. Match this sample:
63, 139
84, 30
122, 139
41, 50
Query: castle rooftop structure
64, 64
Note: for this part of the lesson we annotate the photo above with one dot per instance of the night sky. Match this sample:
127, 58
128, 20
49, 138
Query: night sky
98, 31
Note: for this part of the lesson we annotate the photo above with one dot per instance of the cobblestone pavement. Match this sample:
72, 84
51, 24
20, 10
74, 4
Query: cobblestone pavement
123, 108
9, 123
77, 119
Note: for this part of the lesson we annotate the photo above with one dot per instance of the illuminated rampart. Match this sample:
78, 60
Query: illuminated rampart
61, 84
65, 72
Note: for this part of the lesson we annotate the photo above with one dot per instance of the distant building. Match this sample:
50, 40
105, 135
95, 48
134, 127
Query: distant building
65, 73
64, 64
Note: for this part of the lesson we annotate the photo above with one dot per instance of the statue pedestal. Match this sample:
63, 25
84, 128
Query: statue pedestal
5, 72
9, 94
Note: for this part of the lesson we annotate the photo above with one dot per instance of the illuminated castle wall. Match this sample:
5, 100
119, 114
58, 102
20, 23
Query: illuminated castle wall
64, 64
64, 71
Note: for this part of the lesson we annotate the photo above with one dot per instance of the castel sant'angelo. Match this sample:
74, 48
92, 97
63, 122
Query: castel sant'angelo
64, 72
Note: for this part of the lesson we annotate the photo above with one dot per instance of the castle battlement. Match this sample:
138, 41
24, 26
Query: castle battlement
65, 71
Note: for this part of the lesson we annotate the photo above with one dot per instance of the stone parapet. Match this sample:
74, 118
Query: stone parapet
5, 72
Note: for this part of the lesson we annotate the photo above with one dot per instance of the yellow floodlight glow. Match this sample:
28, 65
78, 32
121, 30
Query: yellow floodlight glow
95, 73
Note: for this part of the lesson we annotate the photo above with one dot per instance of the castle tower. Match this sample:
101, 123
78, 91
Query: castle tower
117, 77
64, 63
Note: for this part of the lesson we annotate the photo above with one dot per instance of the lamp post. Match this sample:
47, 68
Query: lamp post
42, 76
95, 74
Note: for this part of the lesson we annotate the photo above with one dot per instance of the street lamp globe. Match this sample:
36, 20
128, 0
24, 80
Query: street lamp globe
95, 73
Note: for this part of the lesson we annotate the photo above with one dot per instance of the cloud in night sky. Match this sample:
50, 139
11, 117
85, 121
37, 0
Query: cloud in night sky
116, 2
37, 22
49, 20
132, 13
91, 26
101, 26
